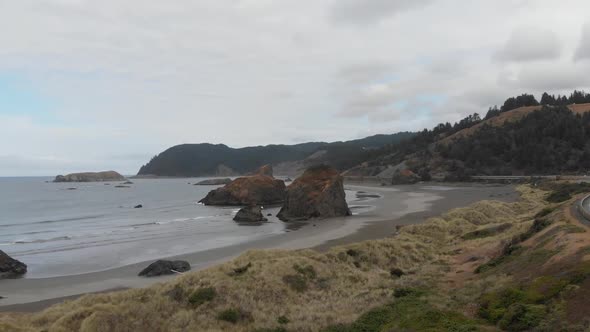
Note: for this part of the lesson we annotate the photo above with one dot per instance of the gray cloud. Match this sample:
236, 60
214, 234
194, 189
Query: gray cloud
583, 51
530, 44
128, 79
372, 11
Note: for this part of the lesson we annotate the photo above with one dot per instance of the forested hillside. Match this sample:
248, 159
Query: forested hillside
523, 136
210, 159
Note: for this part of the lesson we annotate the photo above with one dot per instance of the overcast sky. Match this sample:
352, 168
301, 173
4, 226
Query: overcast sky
95, 85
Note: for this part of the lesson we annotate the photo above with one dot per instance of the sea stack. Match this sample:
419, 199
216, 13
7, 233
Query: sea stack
90, 177
259, 189
318, 193
250, 214
10, 267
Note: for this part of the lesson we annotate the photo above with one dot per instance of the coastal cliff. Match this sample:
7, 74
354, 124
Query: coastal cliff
90, 177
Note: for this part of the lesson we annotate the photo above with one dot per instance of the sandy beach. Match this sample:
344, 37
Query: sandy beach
390, 207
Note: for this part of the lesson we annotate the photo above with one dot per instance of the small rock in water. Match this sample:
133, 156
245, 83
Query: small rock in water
250, 214
10, 267
122, 187
138, 206
162, 267
72, 188
269, 215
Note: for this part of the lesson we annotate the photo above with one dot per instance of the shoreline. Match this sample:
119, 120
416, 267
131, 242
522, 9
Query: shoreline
421, 201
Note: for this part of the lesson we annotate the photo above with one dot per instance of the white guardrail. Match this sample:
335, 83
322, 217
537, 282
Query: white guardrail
582, 208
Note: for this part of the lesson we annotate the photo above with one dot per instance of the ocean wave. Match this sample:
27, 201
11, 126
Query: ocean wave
27, 241
55, 220
166, 222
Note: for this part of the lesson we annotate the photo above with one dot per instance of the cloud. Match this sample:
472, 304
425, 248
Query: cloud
530, 44
583, 51
372, 11
120, 81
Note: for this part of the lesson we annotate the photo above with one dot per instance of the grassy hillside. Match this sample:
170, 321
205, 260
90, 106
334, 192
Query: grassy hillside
489, 266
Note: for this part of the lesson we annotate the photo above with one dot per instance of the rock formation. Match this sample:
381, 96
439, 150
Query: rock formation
90, 177
405, 176
10, 267
318, 193
162, 267
250, 214
251, 190
213, 182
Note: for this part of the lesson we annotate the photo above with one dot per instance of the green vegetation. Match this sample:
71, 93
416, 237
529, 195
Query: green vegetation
283, 320
545, 212
202, 295
563, 191
233, 315
299, 282
525, 307
409, 312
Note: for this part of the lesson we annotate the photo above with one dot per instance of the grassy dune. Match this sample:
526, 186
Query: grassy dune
456, 272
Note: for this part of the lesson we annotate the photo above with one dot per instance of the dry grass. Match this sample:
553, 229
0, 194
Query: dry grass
339, 285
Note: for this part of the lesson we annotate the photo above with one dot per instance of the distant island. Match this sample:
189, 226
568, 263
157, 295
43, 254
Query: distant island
90, 177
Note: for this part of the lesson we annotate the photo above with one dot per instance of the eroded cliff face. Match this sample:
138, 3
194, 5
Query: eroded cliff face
90, 177
318, 193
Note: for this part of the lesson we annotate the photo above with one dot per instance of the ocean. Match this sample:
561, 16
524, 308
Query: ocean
58, 230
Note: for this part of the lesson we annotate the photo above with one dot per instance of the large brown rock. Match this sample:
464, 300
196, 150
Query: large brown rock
318, 193
251, 190
90, 177
10, 267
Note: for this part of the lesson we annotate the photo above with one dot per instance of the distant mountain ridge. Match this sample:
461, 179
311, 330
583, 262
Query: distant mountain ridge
207, 159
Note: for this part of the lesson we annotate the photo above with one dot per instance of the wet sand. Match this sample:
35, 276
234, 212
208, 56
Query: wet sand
392, 206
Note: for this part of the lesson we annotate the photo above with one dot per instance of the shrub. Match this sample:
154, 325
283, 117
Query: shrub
241, 269
404, 292
352, 252
546, 211
306, 271
283, 320
202, 295
233, 315
297, 282
522, 317
395, 272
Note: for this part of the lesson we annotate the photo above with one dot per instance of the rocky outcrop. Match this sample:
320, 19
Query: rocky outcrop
318, 193
404, 177
10, 267
162, 267
251, 190
213, 182
264, 170
90, 177
250, 214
